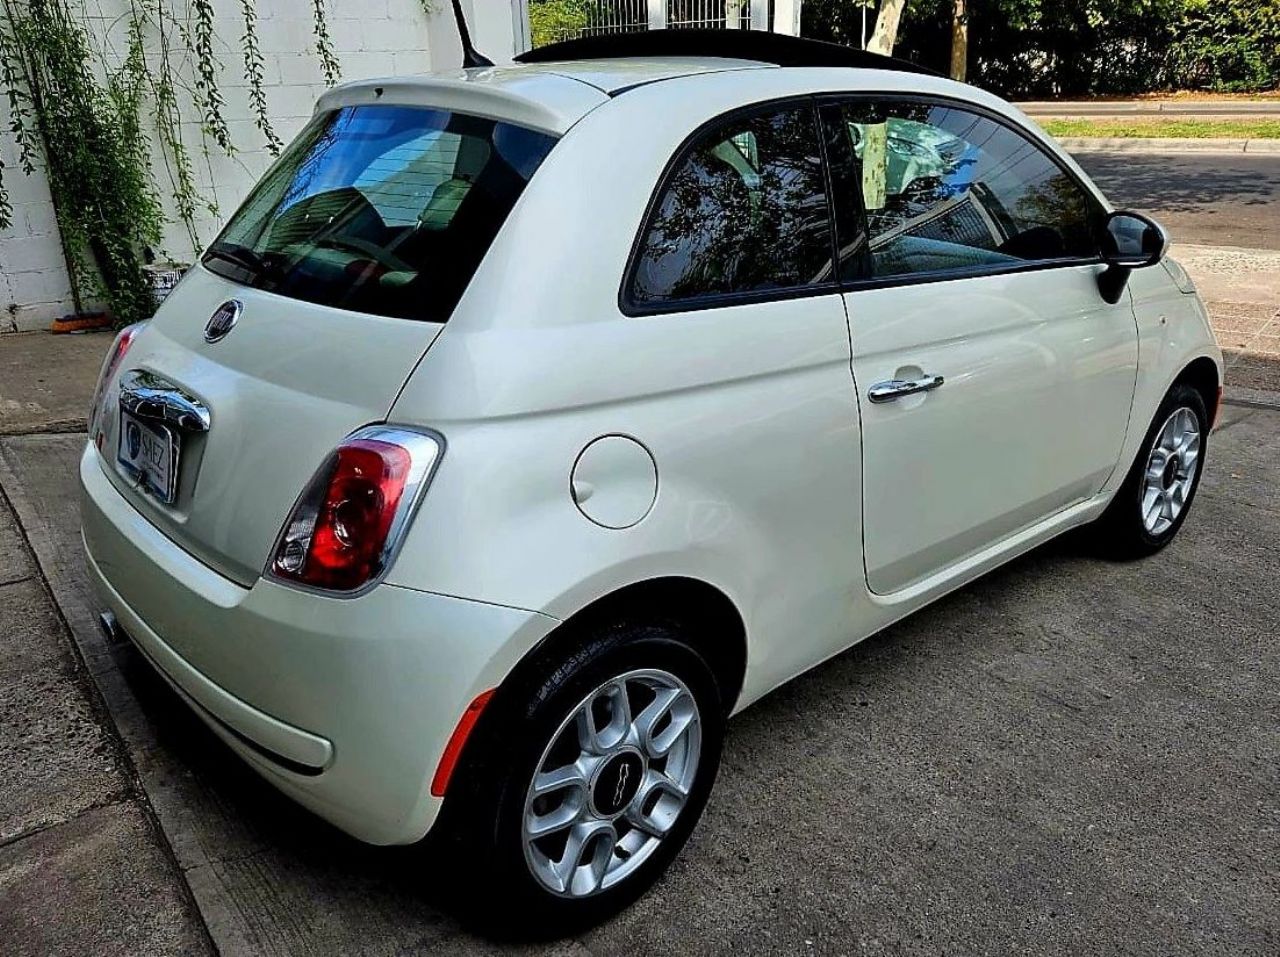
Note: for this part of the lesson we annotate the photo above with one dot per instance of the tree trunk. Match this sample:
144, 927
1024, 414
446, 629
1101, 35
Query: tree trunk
886, 31
959, 40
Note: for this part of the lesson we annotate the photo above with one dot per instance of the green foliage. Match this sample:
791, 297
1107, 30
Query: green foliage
324, 44
551, 21
93, 151
1227, 45
253, 73
207, 75
168, 124
1050, 48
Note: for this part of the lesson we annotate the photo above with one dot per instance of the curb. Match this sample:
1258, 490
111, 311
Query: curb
50, 427
1118, 144
1251, 398
1057, 108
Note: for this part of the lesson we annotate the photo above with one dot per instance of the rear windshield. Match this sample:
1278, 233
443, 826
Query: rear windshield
381, 209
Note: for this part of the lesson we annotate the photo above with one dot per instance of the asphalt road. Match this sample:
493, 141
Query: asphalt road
1069, 756
1208, 199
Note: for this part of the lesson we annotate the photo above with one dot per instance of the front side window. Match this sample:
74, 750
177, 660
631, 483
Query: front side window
743, 211
945, 190
381, 209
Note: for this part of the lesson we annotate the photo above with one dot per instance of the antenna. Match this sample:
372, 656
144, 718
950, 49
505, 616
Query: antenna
470, 56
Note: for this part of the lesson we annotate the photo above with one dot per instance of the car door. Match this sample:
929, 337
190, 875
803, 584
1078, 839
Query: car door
994, 382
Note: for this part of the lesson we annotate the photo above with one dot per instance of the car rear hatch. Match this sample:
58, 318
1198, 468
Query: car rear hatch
307, 315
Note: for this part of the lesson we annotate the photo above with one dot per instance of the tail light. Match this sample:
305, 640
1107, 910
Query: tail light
345, 529
109, 366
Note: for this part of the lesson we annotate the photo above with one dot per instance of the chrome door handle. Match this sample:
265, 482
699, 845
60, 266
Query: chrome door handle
892, 389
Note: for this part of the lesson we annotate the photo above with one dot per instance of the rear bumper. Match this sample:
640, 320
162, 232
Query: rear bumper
344, 704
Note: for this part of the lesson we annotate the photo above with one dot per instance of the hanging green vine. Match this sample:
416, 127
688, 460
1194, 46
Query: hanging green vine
19, 117
104, 201
253, 64
168, 126
6, 208
11, 71
127, 89
207, 75
324, 44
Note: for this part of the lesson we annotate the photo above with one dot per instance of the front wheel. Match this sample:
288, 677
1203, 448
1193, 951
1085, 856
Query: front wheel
1157, 493
589, 779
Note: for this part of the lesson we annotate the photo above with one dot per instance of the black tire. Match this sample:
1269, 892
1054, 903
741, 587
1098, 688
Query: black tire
1120, 531
484, 812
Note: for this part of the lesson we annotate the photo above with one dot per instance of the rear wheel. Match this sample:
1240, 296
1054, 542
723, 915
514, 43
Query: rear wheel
586, 782
1157, 493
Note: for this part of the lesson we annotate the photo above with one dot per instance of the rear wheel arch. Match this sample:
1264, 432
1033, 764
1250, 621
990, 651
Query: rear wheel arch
703, 615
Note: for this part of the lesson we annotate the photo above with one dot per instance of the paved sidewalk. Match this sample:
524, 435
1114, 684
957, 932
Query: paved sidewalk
1174, 106
46, 381
83, 867
1242, 290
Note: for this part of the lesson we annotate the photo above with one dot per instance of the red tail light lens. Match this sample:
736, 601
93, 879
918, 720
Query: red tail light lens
346, 527
109, 366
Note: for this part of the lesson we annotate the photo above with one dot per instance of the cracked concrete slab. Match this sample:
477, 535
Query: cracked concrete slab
29, 620
58, 759
106, 869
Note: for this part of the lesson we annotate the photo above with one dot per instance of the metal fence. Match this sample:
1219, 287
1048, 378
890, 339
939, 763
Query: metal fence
631, 16
711, 14
615, 16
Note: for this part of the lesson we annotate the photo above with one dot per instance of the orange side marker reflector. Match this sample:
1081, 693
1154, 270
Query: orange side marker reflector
453, 750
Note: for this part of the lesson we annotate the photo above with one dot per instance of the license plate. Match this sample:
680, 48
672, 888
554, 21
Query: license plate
149, 454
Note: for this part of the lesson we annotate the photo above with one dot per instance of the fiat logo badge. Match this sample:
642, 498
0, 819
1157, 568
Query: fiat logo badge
223, 320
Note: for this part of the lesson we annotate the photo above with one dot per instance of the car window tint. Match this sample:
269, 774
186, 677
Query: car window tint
745, 210
381, 208
948, 190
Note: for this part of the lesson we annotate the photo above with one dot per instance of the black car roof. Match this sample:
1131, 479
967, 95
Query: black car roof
775, 48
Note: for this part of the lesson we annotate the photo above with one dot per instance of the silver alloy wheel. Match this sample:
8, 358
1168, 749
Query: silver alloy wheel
1171, 471
611, 783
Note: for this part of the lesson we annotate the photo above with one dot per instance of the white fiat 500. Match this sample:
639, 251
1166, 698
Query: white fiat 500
528, 421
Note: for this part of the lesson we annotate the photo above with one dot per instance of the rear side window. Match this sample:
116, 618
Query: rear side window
948, 190
743, 211
381, 209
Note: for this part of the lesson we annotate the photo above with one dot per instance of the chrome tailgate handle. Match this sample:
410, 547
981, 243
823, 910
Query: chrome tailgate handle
149, 396
892, 389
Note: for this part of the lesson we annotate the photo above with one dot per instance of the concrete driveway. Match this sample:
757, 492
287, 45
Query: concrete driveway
1069, 756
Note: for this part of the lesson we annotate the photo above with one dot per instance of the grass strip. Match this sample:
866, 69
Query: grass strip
1112, 128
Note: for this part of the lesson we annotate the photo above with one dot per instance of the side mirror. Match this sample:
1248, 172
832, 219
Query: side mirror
1129, 241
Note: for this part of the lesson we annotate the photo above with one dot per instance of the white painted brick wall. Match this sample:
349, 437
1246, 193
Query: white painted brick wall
370, 37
